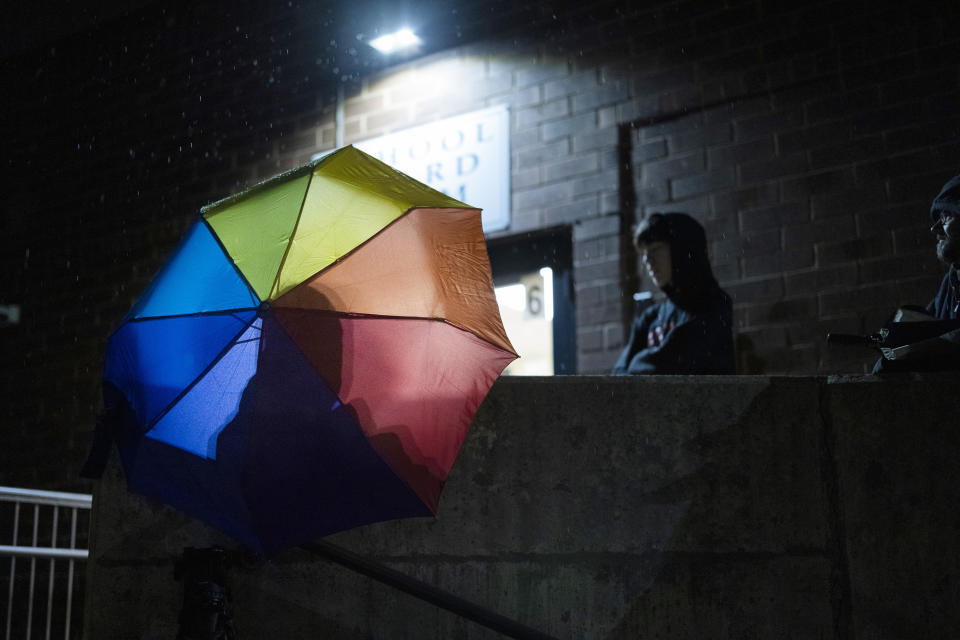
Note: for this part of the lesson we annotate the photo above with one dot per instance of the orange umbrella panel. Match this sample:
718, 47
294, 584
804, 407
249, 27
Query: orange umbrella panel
431, 263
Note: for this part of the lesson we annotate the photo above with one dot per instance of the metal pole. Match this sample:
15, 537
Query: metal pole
33, 571
53, 543
35, 496
424, 591
73, 545
44, 553
13, 565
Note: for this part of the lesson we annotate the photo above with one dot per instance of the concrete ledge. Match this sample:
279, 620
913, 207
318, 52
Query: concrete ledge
597, 507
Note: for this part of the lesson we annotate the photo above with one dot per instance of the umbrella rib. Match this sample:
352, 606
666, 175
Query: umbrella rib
477, 336
380, 231
311, 166
286, 252
230, 344
233, 264
340, 259
438, 319
378, 316
213, 207
231, 312
402, 177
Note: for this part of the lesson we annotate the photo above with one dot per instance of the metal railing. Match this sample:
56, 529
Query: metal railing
37, 539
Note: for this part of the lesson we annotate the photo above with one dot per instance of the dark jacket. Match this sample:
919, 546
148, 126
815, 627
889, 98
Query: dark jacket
945, 305
691, 331
691, 343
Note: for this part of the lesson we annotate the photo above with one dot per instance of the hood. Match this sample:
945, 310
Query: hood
948, 200
692, 278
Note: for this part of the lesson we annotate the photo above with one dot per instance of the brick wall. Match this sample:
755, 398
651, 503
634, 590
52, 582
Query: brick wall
810, 144
809, 141
808, 137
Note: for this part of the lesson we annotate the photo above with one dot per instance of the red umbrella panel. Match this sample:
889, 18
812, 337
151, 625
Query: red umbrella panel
311, 357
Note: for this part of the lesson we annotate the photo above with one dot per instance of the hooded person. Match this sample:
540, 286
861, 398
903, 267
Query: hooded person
945, 216
935, 329
690, 332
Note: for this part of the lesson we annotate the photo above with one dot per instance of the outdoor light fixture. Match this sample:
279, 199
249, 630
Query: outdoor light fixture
395, 41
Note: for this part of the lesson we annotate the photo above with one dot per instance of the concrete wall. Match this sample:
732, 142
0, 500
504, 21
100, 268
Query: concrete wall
591, 507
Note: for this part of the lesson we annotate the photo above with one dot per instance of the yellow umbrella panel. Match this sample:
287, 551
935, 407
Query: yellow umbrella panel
293, 226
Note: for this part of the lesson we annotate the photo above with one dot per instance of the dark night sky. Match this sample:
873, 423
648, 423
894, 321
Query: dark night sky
27, 25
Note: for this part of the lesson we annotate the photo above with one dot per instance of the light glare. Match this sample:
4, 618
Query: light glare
512, 296
395, 41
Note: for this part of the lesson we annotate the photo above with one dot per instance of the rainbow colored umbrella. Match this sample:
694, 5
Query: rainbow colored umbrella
311, 356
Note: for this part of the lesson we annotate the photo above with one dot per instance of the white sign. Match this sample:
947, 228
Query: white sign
467, 157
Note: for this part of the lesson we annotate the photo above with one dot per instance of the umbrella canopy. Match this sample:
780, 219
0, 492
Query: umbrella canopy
311, 356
